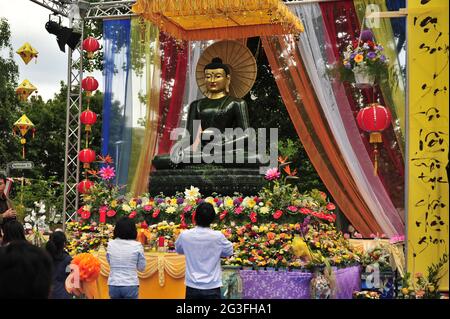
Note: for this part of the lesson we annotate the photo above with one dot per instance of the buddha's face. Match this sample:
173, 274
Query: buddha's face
216, 80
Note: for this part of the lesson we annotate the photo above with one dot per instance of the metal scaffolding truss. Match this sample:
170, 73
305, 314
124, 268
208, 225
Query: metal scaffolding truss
57, 7
110, 9
73, 134
98, 10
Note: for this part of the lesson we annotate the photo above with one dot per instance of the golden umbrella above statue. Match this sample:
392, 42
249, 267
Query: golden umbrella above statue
238, 58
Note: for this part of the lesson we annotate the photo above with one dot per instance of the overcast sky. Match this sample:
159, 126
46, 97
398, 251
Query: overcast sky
27, 23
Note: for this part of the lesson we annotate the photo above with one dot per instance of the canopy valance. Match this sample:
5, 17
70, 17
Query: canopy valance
219, 19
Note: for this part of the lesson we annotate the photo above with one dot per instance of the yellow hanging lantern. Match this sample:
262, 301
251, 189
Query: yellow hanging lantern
27, 52
22, 126
24, 90
219, 19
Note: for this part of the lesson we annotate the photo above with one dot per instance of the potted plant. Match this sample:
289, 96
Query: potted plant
365, 61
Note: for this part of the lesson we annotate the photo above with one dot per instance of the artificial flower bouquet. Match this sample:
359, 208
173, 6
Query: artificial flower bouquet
424, 287
87, 237
364, 60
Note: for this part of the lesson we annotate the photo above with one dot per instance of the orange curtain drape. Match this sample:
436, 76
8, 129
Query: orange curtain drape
312, 128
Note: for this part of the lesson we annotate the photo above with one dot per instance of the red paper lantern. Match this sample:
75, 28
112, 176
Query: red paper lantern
374, 119
88, 118
84, 186
91, 45
89, 84
86, 156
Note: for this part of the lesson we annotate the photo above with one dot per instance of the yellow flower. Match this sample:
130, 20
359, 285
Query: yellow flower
171, 210
229, 202
126, 208
358, 58
133, 203
248, 202
173, 202
264, 210
405, 291
113, 204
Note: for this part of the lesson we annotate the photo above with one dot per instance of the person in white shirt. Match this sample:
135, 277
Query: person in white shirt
203, 248
125, 256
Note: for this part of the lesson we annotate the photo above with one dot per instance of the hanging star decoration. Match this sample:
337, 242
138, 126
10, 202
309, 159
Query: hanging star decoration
23, 126
24, 90
27, 52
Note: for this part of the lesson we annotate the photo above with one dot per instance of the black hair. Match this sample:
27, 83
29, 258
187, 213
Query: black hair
216, 63
25, 272
13, 231
125, 229
205, 214
55, 245
3, 177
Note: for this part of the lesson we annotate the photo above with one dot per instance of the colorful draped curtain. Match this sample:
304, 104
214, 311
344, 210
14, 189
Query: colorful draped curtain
144, 92
314, 131
342, 26
315, 51
154, 83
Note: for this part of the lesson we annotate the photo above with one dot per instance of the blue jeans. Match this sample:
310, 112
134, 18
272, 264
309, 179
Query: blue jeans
123, 292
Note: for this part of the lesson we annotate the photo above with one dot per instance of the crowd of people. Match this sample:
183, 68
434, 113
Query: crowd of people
28, 271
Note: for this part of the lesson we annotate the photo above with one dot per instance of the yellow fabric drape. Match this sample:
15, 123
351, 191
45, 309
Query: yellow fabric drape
394, 90
219, 19
150, 48
428, 132
163, 277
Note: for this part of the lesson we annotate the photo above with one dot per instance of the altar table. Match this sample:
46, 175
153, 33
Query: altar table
163, 277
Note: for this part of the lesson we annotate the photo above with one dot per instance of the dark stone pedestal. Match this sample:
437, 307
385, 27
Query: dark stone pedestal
208, 178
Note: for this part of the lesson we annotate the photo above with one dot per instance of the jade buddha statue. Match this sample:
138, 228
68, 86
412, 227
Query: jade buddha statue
216, 127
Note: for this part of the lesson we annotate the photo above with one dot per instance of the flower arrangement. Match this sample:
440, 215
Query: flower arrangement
424, 287
169, 231
273, 245
102, 207
364, 56
84, 238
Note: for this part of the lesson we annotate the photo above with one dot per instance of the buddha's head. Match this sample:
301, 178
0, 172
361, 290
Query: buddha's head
217, 77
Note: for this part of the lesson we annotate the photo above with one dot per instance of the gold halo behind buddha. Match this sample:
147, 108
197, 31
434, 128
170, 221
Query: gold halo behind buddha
238, 58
